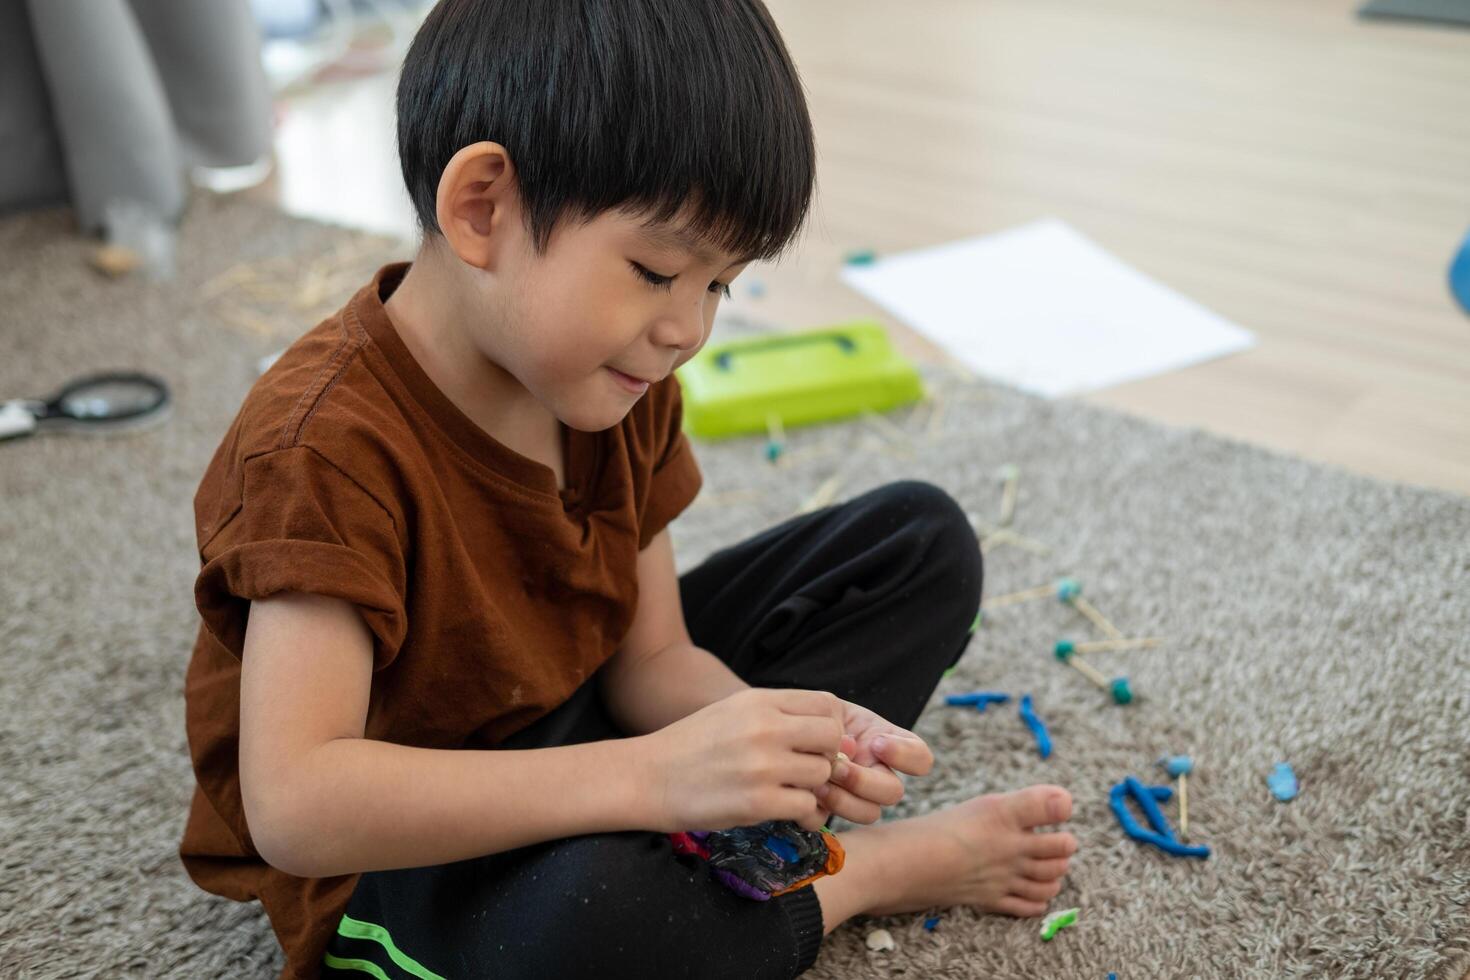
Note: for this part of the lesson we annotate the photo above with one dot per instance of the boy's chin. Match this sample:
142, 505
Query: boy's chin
595, 413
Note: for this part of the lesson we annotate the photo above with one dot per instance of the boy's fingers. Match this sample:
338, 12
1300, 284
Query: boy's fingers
876, 783
905, 753
849, 806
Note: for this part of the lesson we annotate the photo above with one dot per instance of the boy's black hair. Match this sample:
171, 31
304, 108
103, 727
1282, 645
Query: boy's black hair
644, 105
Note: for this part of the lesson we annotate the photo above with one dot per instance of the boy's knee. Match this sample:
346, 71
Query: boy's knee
952, 556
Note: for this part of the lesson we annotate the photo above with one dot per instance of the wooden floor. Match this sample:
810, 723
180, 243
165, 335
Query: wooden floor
1299, 171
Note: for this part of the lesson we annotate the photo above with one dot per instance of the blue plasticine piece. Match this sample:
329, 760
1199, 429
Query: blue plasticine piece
1117, 802
980, 699
783, 849
1068, 589
1148, 801
1282, 782
1043, 740
1460, 274
931, 923
1177, 765
1112, 976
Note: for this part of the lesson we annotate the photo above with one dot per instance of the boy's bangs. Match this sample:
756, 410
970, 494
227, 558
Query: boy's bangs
662, 108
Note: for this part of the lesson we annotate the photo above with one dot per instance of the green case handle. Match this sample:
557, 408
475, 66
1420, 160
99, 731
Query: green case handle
844, 342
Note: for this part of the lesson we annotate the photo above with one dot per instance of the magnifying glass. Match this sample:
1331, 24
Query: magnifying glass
104, 402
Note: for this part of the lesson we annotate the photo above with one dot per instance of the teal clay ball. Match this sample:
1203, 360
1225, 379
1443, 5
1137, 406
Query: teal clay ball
1064, 649
1121, 692
1068, 589
773, 451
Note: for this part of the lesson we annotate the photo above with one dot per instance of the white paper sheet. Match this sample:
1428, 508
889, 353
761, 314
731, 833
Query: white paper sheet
1043, 308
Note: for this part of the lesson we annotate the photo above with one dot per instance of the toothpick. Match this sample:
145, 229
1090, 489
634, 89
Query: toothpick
1089, 671
1100, 646
1012, 475
1184, 806
1090, 611
886, 427
824, 494
1025, 595
935, 419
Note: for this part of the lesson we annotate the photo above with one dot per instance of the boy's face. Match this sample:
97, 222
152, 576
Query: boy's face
612, 304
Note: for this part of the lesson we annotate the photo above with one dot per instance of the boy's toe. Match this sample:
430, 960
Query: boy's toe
1048, 869
1037, 891
1038, 806
1042, 846
1023, 908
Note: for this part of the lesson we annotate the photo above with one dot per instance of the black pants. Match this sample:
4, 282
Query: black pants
871, 600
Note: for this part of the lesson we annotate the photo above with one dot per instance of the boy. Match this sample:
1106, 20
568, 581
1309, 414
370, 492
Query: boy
449, 696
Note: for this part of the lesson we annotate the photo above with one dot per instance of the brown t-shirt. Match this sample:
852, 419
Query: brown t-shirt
491, 594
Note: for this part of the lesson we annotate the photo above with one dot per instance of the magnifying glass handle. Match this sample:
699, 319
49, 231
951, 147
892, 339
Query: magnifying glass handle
16, 420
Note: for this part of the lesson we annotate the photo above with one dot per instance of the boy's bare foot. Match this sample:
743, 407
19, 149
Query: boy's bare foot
986, 852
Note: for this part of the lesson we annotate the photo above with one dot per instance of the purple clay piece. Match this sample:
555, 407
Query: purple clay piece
739, 886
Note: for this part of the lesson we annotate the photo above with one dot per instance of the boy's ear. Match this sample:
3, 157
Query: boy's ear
477, 203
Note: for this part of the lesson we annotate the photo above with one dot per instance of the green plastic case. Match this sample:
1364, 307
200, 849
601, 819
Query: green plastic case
803, 377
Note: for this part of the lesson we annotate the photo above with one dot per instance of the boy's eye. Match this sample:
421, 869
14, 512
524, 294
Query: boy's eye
665, 282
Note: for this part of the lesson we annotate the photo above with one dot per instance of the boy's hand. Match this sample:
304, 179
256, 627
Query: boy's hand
871, 782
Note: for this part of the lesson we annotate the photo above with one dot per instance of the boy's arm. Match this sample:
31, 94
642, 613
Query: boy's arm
320, 799
658, 675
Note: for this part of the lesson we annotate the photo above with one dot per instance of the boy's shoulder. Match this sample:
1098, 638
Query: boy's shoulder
321, 399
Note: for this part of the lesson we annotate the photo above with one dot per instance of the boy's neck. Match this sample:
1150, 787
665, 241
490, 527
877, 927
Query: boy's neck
426, 312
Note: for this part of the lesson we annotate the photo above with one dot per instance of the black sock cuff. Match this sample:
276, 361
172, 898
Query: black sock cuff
804, 912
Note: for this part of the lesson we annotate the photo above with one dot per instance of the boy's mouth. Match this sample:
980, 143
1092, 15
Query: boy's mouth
628, 381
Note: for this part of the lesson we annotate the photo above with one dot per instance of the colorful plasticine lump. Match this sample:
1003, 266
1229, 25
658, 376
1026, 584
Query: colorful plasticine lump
765, 860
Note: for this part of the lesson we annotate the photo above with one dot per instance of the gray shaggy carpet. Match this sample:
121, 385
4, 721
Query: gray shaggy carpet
1311, 616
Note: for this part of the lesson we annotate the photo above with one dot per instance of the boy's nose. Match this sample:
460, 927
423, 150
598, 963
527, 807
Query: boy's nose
682, 331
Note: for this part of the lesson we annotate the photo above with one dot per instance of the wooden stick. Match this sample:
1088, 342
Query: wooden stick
1184, 806
1090, 611
775, 430
815, 451
824, 494
935, 418
1023, 596
1089, 672
1100, 646
1012, 477
1004, 535
896, 435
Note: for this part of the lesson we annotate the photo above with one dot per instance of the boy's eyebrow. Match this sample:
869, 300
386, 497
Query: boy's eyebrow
679, 239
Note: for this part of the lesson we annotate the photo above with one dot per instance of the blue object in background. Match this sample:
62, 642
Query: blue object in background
1460, 274
1043, 740
1159, 833
1282, 782
931, 923
979, 700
